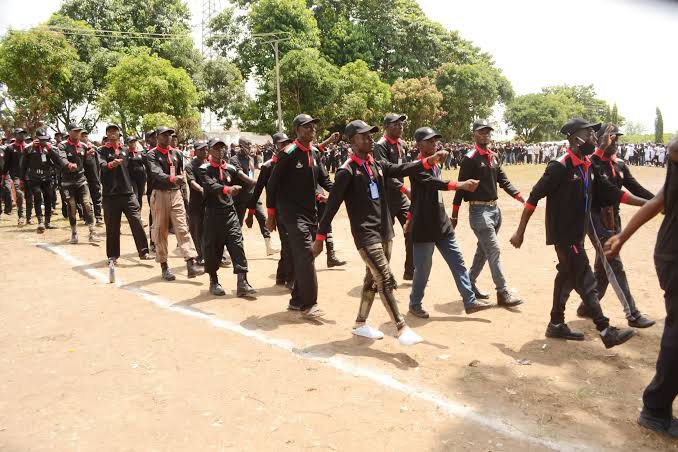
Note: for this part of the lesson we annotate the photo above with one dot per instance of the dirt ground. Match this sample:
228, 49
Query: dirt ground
150, 365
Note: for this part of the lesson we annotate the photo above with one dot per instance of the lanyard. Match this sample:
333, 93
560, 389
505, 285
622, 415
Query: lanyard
585, 178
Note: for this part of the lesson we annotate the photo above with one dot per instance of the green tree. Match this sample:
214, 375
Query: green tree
634, 128
538, 116
587, 106
35, 66
223, 89
142, 83
658, 127
362, 95
419, 99
470, 91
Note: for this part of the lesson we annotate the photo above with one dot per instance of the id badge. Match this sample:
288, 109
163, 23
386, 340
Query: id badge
374, 190
173, 171
43, 157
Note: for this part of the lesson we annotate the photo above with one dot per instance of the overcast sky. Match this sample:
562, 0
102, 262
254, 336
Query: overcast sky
631, 59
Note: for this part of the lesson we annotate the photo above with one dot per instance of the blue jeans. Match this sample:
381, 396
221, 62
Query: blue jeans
423, 257
485, 223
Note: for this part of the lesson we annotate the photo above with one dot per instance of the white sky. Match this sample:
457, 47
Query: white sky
630, 61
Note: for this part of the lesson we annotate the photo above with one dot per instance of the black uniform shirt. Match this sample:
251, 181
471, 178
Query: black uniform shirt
294, 181
667, 239
486, 168
164, 165
115, 181
216, 181
244, 163
135, 163
75, 155
568, 185
194, 174
37, 162
619, 174
429, 221
262, 180
13, 154
368, 212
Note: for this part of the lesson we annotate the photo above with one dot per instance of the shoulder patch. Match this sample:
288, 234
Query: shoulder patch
381, 141
563, 159
204, 166
231, 167
470, 154
290, 148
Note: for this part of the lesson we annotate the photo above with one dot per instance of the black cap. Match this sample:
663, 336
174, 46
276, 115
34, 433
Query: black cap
425, 133
131, 138
575, 124
482, 124
41, 134
149, 133
112, 126
603, 128
163, 129
214, 141
73, 126
355, 127
394, 117
280, 138
199, 145
19, 130
303, 119
84, 132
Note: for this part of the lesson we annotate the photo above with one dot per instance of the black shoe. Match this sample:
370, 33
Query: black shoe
244, 289
476, 306
334, 261
641, 322
563, 331
666, 426
480, 295
505, 299
167, 275
418, 311
216, 289
583, 311
280, 282
408, 276
193, 269
615, 336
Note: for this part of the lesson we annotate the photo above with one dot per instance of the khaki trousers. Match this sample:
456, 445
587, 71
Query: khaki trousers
168, 206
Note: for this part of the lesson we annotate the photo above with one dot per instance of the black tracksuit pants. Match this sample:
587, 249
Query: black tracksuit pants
221, 228
301, 233
41, 192
285, 270
196, 218
661, 392
114, 207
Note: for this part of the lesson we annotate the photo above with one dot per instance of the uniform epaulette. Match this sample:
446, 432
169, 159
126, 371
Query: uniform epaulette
346, 164
381, 141
470, 154
563, 159
231, 167
290, 148
205, 166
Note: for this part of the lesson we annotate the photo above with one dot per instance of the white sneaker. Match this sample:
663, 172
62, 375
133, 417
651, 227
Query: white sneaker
409, 337
368, 332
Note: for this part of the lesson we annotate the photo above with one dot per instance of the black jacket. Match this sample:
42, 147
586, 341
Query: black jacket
136, 164
115, 181
264, 175
37, 162
393, 153
294, 182
429, 221
486, 168
370, 218
75, 154
245, 164
160, 161
619, 174
194, 174
215, 182
13, 154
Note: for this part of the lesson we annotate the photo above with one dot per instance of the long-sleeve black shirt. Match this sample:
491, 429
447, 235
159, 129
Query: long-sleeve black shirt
429, 221
75, 154
619, 174
484, 166
135, 163
13, 154
244, 163
369, 217
264, 175
115, 181
666, 249
293, 183
194, 174
216, 181
568, 186
91, 165
37, 162
160, 164
394, 152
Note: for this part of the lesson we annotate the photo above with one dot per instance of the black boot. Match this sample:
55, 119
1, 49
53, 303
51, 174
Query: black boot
48, 222
41, 226
244, 289
193, 269
480, 295
167, 275
332, 259
215, 287
507, 300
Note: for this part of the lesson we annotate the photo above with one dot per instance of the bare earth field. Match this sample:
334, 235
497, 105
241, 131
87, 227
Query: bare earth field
148, 365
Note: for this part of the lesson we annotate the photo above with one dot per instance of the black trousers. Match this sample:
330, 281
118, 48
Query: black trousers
20, 195
95, 193
399, 208
41, 192
240, 204
222, 229
301, 233
150, 212
73, 196
114, 207
661, 392
196, 217
139, 187
285, 270
574, 272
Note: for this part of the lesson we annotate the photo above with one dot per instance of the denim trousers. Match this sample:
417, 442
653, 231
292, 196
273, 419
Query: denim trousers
485, 223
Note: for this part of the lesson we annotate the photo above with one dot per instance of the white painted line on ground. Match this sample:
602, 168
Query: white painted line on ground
450, 407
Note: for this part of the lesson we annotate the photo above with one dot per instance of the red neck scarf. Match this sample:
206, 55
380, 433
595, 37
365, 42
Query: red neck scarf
394, 142
116, 149
306, 150
613, 159
165, 151
576, 161
484, 152
360, 162
75, 145
221, 167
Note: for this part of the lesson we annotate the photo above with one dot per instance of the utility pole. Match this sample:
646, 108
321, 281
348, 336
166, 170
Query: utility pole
277, 86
